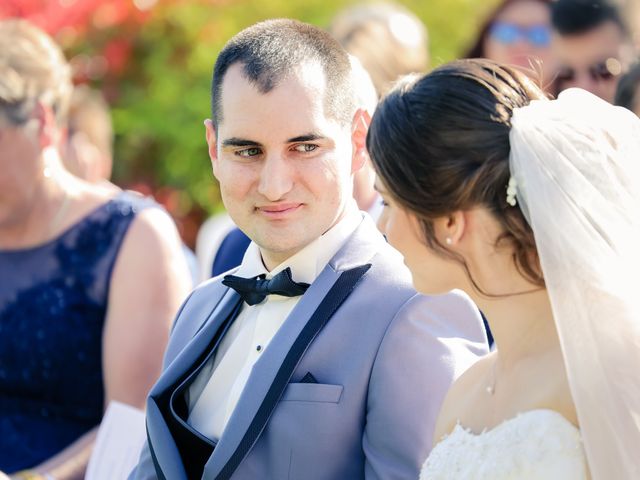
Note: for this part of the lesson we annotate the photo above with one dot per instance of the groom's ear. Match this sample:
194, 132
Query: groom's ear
212, 142
359, 128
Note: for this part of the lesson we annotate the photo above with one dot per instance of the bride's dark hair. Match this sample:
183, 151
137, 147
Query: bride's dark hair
440, 143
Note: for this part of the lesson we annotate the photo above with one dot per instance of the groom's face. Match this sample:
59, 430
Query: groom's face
284, 166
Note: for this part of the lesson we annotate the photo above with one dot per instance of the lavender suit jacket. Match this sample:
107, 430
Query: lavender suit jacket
383, 364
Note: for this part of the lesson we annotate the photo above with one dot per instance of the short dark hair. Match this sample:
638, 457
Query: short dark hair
440, 143
572, 17
270, 50
627, 87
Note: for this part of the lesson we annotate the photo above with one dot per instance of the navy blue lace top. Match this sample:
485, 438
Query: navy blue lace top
53, 301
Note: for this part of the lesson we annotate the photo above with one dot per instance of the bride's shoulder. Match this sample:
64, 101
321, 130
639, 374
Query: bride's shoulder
462, 396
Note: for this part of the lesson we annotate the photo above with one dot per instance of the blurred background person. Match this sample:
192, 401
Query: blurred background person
388, 40
518, 33
592, 44
88, 151
628, 91
364, 192
91, 276
211, 235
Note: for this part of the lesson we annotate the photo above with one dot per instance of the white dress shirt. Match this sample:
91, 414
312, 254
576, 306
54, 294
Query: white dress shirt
222, 380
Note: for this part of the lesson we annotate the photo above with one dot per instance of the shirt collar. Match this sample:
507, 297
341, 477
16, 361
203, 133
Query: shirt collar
307, 264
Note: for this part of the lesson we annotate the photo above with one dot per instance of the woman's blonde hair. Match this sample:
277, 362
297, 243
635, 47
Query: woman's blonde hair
388, 39
32, 69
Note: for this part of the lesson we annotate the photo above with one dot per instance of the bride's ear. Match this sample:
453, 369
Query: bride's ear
450, 229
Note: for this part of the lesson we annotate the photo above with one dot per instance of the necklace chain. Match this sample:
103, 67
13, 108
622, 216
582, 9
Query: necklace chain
55, 222
51, 174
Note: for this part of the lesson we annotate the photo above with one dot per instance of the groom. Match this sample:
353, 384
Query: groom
315, 359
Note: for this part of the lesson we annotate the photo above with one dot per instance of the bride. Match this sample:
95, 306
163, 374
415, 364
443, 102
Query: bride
533, 207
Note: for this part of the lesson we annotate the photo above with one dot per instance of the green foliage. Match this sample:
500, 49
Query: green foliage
162, 98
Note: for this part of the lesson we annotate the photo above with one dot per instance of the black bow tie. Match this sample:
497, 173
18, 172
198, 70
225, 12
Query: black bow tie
254, 290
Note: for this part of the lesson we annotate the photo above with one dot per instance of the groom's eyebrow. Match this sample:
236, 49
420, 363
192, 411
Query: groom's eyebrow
240, 142
307, 137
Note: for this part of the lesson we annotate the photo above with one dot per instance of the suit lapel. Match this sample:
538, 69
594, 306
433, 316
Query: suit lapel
264, 371
164, 451
163, 446
185, 360
356, 252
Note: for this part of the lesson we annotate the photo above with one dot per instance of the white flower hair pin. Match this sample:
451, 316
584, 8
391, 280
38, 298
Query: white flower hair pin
512, 191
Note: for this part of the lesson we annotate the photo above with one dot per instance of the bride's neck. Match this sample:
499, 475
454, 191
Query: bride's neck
522, 325
518, 309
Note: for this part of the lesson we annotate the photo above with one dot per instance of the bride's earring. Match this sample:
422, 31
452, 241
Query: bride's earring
448, 241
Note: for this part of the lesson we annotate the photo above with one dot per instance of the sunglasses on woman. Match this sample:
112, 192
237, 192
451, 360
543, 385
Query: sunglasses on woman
599, 71
509, 33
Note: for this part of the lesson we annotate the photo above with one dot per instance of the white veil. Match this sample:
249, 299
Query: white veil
576, 161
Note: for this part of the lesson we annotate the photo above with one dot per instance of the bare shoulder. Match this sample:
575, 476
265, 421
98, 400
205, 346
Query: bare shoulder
154, 227
553, 385
152, 245
150, 267
460, 397
82, 198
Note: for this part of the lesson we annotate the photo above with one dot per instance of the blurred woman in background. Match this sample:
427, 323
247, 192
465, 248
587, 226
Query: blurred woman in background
90, 281
388, 39
518, 33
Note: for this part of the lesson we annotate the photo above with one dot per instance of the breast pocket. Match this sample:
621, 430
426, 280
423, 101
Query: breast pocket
312, 392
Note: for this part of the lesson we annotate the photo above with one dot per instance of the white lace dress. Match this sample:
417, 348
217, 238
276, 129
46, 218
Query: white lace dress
538, 444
